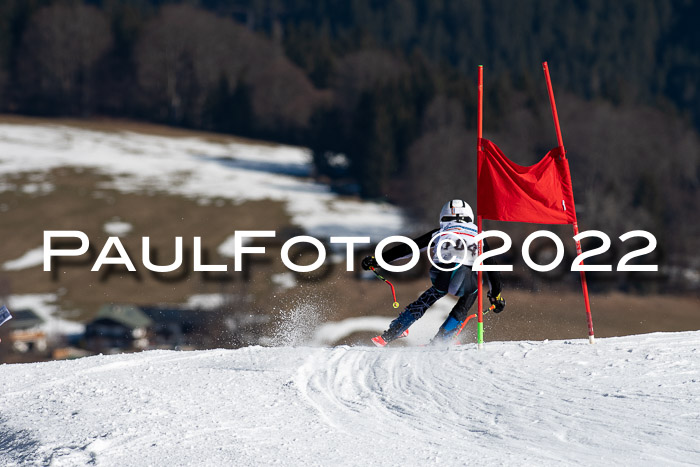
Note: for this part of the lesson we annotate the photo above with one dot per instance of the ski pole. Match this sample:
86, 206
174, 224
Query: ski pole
393, 292
473, 315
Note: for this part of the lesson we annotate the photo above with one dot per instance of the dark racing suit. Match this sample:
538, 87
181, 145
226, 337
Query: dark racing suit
461, 282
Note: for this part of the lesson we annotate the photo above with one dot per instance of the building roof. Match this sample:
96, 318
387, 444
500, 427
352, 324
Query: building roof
165, 314
128, 315
24, 319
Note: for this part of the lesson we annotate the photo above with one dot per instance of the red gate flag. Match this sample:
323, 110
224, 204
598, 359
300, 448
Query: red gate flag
539, 194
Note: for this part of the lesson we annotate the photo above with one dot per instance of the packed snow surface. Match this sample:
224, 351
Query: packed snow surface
624, 401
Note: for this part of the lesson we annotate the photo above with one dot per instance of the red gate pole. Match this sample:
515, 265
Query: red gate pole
560, 141
480, 313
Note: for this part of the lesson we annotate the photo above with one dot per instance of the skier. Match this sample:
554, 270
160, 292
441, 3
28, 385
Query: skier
454, 252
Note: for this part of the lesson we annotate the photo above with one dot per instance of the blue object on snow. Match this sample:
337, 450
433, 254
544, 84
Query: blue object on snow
4, 315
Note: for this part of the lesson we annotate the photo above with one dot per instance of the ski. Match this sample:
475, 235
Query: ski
380, 342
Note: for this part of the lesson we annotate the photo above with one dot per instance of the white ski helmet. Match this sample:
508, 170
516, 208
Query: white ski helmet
456, 210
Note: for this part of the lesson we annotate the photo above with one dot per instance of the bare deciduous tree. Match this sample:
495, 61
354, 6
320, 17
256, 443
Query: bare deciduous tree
177, 57
184, 53
443, 113
59, 49
632, 167
283, 95
439, 168
360, 71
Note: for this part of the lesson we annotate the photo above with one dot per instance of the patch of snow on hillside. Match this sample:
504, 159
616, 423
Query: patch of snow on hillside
43, 306
284, 280
31, 259
208, 301
228, 246
198, 169
118, 228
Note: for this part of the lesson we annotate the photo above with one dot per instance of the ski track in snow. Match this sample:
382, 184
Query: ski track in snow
632, 400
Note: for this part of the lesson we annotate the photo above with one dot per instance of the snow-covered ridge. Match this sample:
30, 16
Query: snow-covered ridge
624, 401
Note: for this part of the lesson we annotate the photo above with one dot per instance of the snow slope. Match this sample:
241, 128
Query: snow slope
625, 401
